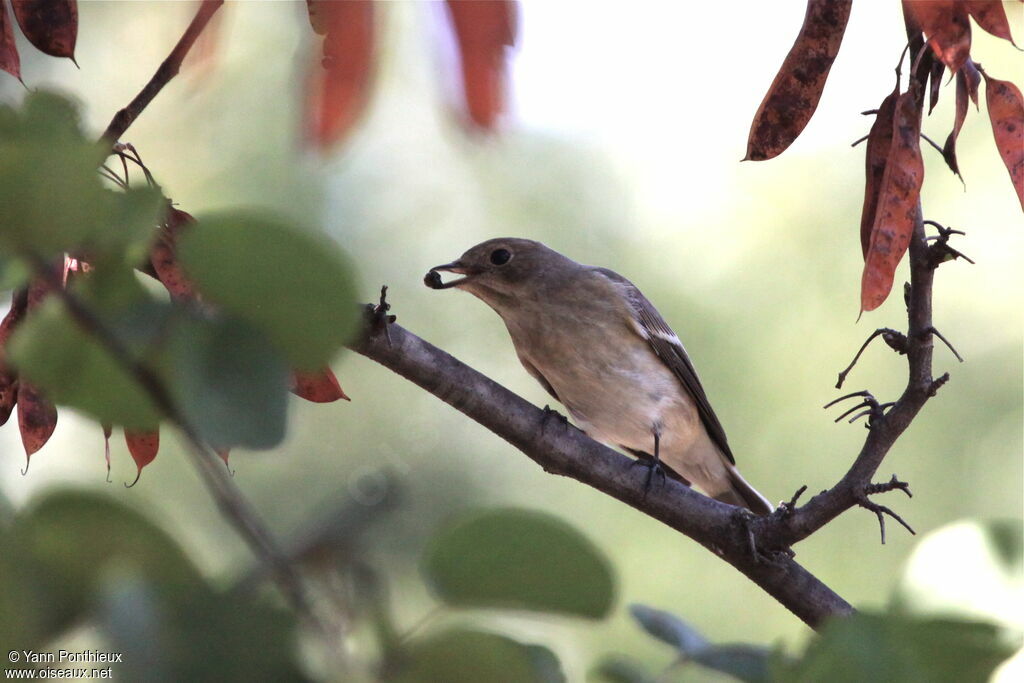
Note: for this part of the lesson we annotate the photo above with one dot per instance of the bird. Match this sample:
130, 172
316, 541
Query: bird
599, 347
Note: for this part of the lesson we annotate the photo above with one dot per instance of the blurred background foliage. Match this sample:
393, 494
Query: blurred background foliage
623, 151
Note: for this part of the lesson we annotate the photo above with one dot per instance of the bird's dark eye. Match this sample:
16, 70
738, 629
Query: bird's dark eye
500, 257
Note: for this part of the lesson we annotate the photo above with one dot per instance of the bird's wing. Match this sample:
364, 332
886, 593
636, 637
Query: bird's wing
666, 345
541, 379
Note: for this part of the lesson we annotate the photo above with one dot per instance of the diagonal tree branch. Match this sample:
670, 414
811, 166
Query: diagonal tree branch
167, 70
562, 449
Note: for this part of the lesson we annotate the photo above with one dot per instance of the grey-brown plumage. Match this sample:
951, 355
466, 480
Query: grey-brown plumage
599, 347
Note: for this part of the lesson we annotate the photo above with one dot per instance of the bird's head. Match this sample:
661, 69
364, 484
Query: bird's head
502, 269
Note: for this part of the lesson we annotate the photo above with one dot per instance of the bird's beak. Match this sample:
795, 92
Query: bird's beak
433, 277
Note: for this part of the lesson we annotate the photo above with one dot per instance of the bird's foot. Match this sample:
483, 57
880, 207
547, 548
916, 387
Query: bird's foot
654, 468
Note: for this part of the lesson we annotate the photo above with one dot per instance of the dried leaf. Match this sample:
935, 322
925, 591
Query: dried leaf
318, 387
8, 377
875, 157
934, 83
37, 418
991, 16
107, 431
224, 454
973, 79
949, 149
945, 24
897, 204
163, 255
484, 30
9, 59
50, 25
338, 87
1006, 112
794, 94
143, 447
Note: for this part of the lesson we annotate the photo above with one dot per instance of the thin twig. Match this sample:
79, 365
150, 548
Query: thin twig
933, 144
167, 70
227, 496
785, 530
894, 339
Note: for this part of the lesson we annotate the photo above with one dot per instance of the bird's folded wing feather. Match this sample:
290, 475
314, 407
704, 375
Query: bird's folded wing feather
669, 349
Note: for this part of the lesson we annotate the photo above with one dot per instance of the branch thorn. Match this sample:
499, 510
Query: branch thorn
896, 340
937, 383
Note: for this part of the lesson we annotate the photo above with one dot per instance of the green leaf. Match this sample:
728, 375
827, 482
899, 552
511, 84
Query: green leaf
293, 285
669, 628
73, 369
51, 193
202, 635
228, 381
618, 669
13, 273
132, 224
519, 559
885, 648
68, 537
25, 616
749, 663
462, 655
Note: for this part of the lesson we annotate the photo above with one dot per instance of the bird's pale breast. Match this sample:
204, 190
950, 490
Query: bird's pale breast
614, 386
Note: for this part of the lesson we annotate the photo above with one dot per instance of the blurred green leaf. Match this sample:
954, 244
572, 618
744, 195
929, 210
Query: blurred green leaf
132, 617
291, 284
74, 369
891, 648
132, 225
462, 655
743, 662
619, 669
13, 273
68, 537
51, 193
228, 381
669, 628
1006, 537
25, 614
519, 559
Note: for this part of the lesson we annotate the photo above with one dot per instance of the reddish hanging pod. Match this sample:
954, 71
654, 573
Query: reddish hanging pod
8, 377
991, 16
875, 158
9, 59
163, 254
224, 454
143, 447
897, 204
107, 431
967, 80
484, 29
934, 83
338, 85
318, 387
50, 25
37, 418
945, 25
1006, 112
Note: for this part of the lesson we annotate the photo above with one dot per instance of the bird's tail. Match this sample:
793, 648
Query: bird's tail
743, 494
